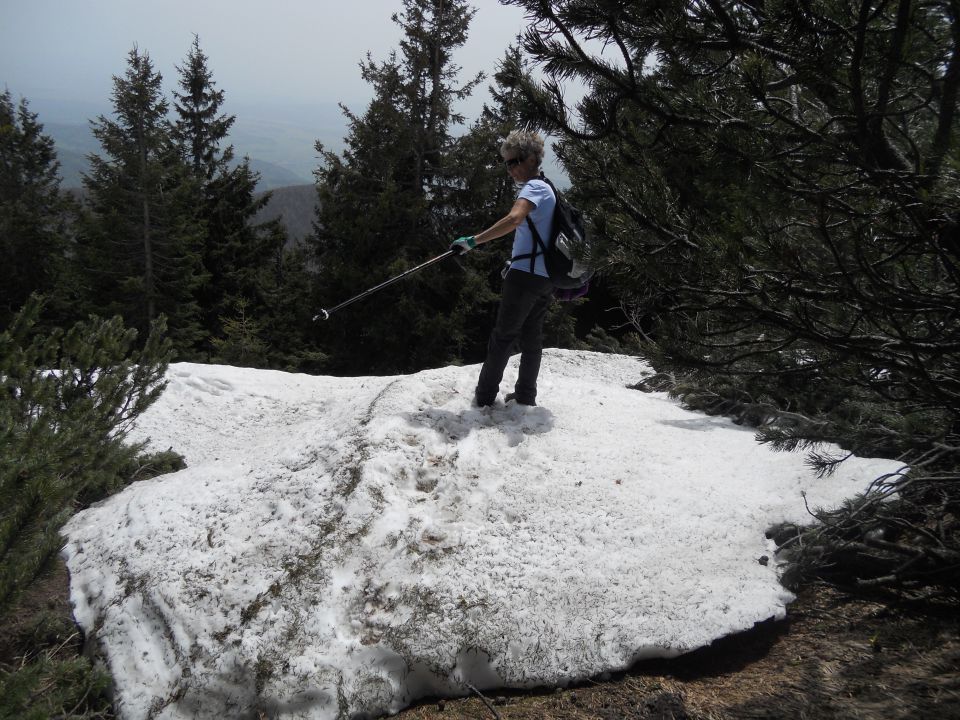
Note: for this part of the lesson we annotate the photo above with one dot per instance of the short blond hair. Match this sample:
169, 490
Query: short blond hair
524, 143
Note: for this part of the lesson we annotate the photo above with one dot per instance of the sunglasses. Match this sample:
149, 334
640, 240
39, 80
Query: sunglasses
512, 162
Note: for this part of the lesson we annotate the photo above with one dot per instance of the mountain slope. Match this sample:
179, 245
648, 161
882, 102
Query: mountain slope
74, 142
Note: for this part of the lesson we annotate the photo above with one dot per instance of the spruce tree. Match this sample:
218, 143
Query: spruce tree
236, 253
241, 343
32, 232
200, 127
385, 205
287, 327
483, 192
483, 189
140, 241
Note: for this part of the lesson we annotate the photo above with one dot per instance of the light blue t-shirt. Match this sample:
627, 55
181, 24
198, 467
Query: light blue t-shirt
541, 195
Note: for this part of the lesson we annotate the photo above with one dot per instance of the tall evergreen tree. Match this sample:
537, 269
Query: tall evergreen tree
141, 238
200, 127
288, 322
386, 204
32, 233
483, 192
483, 188
236, 254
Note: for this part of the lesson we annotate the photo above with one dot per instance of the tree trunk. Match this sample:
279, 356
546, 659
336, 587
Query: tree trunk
148, 277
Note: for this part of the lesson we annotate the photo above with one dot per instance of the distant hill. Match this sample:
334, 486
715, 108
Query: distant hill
275, 176
72, 166
295, 206
75, 141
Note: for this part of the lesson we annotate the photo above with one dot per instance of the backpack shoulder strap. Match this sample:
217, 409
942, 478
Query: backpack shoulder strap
539, 247
548, 181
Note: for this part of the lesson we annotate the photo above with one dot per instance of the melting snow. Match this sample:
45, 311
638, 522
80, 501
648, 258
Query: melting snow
347, 545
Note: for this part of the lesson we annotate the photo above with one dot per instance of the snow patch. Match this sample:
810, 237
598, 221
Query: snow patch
346, 545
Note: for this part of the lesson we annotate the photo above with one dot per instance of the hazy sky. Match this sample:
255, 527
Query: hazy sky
261, 53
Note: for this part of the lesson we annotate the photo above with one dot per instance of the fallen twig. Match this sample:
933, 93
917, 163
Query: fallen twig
486, 702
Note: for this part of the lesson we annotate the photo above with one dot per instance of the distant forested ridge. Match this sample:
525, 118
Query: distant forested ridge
75, 142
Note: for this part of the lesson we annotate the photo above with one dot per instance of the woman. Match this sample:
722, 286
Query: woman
527, 289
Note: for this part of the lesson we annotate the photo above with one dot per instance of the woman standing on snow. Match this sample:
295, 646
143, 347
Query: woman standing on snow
527, 289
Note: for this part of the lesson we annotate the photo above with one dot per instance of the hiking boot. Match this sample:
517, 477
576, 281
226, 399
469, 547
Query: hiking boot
519, 401
479, 402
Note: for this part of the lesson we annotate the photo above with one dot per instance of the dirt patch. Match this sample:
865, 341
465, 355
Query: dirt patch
835, 656
41, 620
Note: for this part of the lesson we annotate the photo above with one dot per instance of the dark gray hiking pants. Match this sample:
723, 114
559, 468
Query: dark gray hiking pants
523, 307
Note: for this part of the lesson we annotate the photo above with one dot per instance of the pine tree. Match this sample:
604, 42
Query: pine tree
386, 204
777, 199
141, 237
32, 232
68, 402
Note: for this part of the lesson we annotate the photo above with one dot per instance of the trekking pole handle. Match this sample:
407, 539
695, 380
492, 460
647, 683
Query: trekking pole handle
325, 314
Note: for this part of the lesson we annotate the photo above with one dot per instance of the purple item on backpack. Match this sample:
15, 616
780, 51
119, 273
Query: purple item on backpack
568, 294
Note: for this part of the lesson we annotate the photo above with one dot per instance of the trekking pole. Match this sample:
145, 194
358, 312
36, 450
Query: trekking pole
325, 314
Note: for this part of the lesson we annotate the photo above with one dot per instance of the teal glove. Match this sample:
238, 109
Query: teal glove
464, 244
